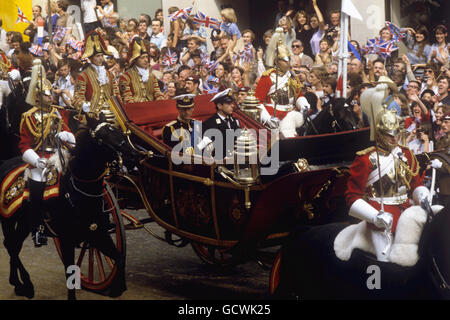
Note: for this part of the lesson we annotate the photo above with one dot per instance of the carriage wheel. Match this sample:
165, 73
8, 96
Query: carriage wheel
275, 274
211, 255
97, 270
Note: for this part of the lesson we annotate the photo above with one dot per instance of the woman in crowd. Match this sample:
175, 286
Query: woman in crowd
177, 28
438, 132
288, 30
303, 31
440, 49
317, 24
418, 48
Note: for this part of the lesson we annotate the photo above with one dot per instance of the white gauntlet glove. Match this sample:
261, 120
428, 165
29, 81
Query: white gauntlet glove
41, 163
436, 164
66, 136
14, 75
383, 220
86, 107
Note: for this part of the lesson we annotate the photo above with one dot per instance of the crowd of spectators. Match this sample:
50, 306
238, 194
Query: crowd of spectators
194, 59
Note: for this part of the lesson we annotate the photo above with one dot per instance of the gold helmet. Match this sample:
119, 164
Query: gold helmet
137, 49
387, 123
94, 44
38, 83
277, 48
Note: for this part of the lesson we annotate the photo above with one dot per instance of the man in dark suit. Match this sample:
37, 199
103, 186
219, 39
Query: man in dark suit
222, 123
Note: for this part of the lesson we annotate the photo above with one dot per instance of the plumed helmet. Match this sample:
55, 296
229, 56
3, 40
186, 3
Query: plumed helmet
137, 49
38, 83
94, 44
387, 122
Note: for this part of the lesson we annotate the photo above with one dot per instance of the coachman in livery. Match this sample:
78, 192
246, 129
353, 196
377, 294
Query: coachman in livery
138, 84
40, 128
95, 85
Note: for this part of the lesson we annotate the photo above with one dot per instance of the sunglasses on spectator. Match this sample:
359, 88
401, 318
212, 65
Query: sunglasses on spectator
428, 71
296, 46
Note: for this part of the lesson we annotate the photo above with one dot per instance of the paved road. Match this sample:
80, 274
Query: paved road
155, 271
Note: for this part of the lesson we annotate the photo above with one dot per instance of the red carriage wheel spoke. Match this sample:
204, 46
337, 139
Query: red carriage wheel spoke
80, 258
100, 268
91, 265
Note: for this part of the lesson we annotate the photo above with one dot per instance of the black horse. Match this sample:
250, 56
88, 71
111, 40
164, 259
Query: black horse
10, 115
76, 215
336, 116
310, 270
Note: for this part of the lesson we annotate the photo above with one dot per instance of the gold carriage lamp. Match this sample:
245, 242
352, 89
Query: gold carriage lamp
246, 166
250, 106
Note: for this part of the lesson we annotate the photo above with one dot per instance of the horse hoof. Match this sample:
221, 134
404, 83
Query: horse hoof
25, 291
71, 296
117, 290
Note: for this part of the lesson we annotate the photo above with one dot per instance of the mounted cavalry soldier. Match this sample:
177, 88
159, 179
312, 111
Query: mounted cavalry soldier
40, 128
184, 133
138, 84
278, 88
382, 181
95, 85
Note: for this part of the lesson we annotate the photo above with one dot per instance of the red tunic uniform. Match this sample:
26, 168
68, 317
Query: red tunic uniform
363, 166
265, 88
55, 121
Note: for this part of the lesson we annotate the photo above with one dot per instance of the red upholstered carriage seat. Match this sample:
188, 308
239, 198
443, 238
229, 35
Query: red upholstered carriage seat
152, 116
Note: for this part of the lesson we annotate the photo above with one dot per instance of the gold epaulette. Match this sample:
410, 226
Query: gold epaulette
268, 72
171, 123
365, 151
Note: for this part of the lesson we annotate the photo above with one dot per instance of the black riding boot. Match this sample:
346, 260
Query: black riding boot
36, 214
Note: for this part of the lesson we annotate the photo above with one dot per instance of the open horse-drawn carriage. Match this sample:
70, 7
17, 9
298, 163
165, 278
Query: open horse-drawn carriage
224, 211
208, 204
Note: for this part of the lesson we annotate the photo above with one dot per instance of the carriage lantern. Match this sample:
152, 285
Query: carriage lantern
246, 167
250, 106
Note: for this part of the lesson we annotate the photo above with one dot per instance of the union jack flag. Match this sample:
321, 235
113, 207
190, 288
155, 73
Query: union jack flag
46, 46
77, 45
371, 46
21, 16
208, 22
247, 54
206, 61
170, 58
386, 48
59, 34
36, 50
211, 85
396, 32
183, 14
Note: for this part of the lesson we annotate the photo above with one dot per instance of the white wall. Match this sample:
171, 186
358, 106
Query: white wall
373, 13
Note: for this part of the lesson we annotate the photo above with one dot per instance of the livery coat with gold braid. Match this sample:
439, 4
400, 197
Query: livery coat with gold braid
88, 89
133, 89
